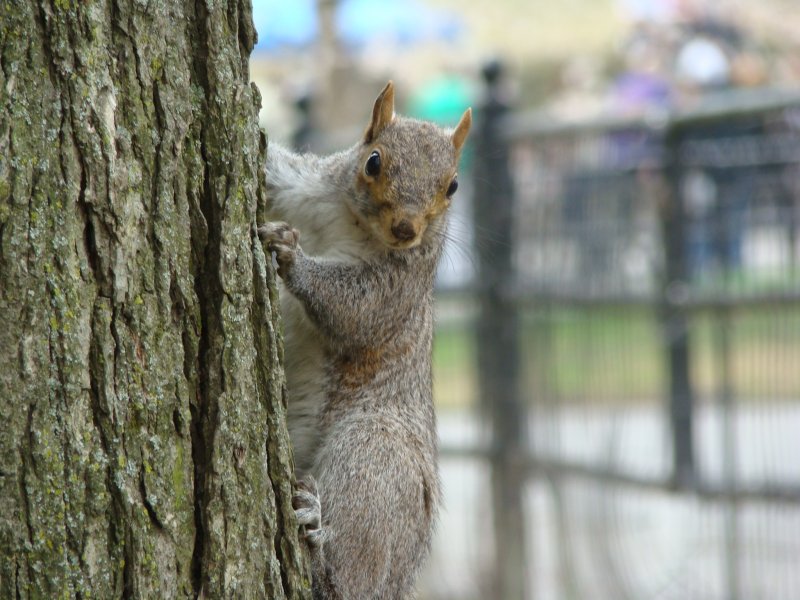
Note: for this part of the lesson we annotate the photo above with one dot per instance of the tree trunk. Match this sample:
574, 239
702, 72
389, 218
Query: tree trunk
143, 446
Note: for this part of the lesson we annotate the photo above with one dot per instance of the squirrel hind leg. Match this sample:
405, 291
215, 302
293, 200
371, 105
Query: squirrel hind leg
308, 510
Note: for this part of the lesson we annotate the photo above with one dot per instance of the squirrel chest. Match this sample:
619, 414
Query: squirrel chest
326, 381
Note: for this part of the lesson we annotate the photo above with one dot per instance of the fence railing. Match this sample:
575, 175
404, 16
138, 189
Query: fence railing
638, 288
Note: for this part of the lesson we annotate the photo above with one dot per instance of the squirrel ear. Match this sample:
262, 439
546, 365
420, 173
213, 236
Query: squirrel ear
462, 129
382, 113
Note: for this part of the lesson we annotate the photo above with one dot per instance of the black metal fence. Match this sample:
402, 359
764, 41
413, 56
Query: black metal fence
636, 319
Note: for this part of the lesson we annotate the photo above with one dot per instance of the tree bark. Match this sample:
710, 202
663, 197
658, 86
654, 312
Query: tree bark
143, 446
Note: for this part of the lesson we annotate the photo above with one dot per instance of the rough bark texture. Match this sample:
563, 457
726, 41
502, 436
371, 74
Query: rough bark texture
143, 449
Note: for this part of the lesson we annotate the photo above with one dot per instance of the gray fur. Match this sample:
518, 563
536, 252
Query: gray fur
358, 313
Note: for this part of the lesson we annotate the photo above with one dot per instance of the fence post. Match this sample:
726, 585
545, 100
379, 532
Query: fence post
303, 137
675, 321
498, 340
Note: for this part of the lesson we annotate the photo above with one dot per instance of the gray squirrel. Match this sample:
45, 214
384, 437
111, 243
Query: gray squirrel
357, 307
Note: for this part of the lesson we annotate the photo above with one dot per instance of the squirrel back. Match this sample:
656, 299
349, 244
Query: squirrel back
357, 304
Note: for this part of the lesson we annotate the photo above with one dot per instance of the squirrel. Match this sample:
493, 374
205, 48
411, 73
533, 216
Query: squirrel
357, 307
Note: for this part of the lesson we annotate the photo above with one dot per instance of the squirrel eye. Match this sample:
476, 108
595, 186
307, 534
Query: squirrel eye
452, 187
373, 166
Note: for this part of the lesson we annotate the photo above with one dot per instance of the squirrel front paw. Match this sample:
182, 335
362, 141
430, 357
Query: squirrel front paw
308, 510
281, 239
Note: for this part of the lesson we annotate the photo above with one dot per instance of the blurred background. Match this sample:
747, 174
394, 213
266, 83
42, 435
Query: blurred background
617, 356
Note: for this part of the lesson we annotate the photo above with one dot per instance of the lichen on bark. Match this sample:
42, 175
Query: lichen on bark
143, 451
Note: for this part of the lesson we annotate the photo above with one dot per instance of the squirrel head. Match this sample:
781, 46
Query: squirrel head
406, 173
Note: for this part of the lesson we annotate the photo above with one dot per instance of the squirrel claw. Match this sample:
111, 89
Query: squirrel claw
281, 239
279, 233
308, 510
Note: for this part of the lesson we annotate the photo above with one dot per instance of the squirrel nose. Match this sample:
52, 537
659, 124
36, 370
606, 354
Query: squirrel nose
403, 230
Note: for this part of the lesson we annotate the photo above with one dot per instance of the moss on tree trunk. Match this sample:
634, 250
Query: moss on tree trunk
143, 448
